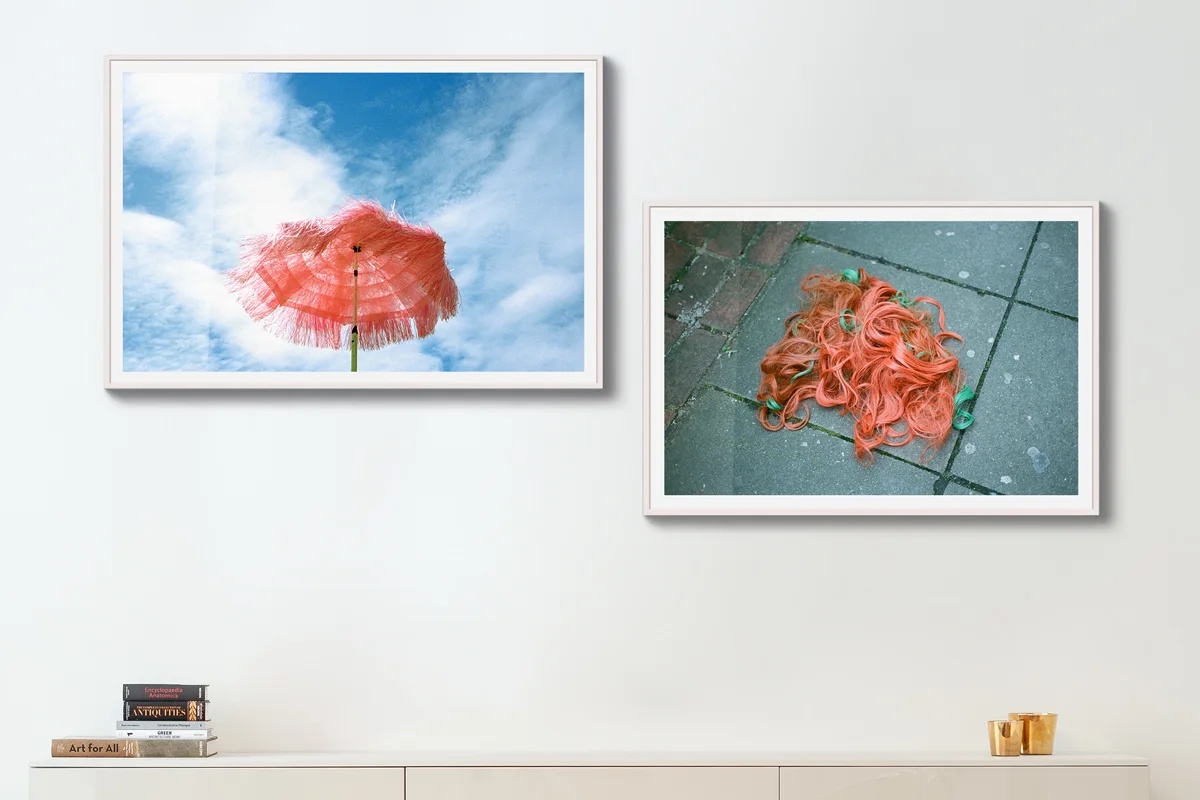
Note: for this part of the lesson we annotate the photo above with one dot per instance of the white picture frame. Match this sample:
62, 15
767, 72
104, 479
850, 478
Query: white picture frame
581, 367
713, 469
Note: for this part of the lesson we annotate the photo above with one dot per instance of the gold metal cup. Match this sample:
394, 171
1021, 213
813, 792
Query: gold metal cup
1038, 738
1005, 736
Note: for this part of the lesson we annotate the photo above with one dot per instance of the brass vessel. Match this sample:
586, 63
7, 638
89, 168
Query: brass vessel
1038, 737
1005, 736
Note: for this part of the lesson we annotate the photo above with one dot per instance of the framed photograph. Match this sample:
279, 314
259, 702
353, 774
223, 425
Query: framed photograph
892, 358
339, 223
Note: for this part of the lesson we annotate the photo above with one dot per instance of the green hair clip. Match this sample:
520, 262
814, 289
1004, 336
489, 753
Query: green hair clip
802, 373
962, 417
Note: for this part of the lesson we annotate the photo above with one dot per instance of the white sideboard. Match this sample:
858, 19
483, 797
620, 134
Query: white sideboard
596, 776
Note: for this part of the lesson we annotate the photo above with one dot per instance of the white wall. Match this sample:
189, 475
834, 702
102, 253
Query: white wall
472, 571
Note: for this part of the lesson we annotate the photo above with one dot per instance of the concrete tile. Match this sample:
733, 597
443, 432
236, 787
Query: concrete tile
987, 255
954, 488
1052, 275
1026, 414
973, 316
716, 446
687, 361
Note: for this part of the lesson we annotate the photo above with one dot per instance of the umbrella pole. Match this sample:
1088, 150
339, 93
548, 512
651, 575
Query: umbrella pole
354, 330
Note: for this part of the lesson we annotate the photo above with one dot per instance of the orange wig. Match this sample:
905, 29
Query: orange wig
859, 344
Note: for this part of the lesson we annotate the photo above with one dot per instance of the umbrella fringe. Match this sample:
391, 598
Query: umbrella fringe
297, 281
300, 328
249, 289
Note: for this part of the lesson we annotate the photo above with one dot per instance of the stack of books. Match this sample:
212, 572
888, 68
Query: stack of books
159, 720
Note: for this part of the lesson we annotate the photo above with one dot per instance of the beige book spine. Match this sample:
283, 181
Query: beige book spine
133, 748
173, 748
93, 748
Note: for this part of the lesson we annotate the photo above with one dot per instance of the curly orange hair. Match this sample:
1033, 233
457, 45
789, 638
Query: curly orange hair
859, 344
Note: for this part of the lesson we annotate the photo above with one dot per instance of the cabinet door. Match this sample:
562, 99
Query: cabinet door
964, 783
216, 783
593, 783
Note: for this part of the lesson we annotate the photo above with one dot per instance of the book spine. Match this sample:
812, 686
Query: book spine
160, 725
179, 710
167, 733
165, 691
172, 748
92, 748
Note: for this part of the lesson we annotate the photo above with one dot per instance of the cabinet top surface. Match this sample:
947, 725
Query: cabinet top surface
601, 759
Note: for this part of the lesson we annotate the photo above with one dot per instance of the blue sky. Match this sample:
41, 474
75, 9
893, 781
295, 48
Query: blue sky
495, 162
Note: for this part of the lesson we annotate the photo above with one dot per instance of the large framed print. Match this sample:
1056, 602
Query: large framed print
872, 358
353, 222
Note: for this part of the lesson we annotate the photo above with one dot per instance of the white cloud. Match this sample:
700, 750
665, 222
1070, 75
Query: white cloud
225, 140
540, 297
221, 139
505, 189
500, 182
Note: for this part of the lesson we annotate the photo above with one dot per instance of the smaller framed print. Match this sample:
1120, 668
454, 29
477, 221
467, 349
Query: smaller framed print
353, 223
855, 358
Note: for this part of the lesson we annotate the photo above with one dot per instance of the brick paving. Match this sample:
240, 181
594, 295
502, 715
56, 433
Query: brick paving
678, 255
731, 238
1010, 289
672, 330
691, 292
776, 238
710, 288
726, 308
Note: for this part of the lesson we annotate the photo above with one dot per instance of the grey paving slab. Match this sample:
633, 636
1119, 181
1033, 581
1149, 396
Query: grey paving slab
987, 255
973, 316
1025, 439
716, 446
954, 488
1052, 275
687, 362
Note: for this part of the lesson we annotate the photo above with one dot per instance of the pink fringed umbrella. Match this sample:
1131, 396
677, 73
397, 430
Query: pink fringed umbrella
362, 277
